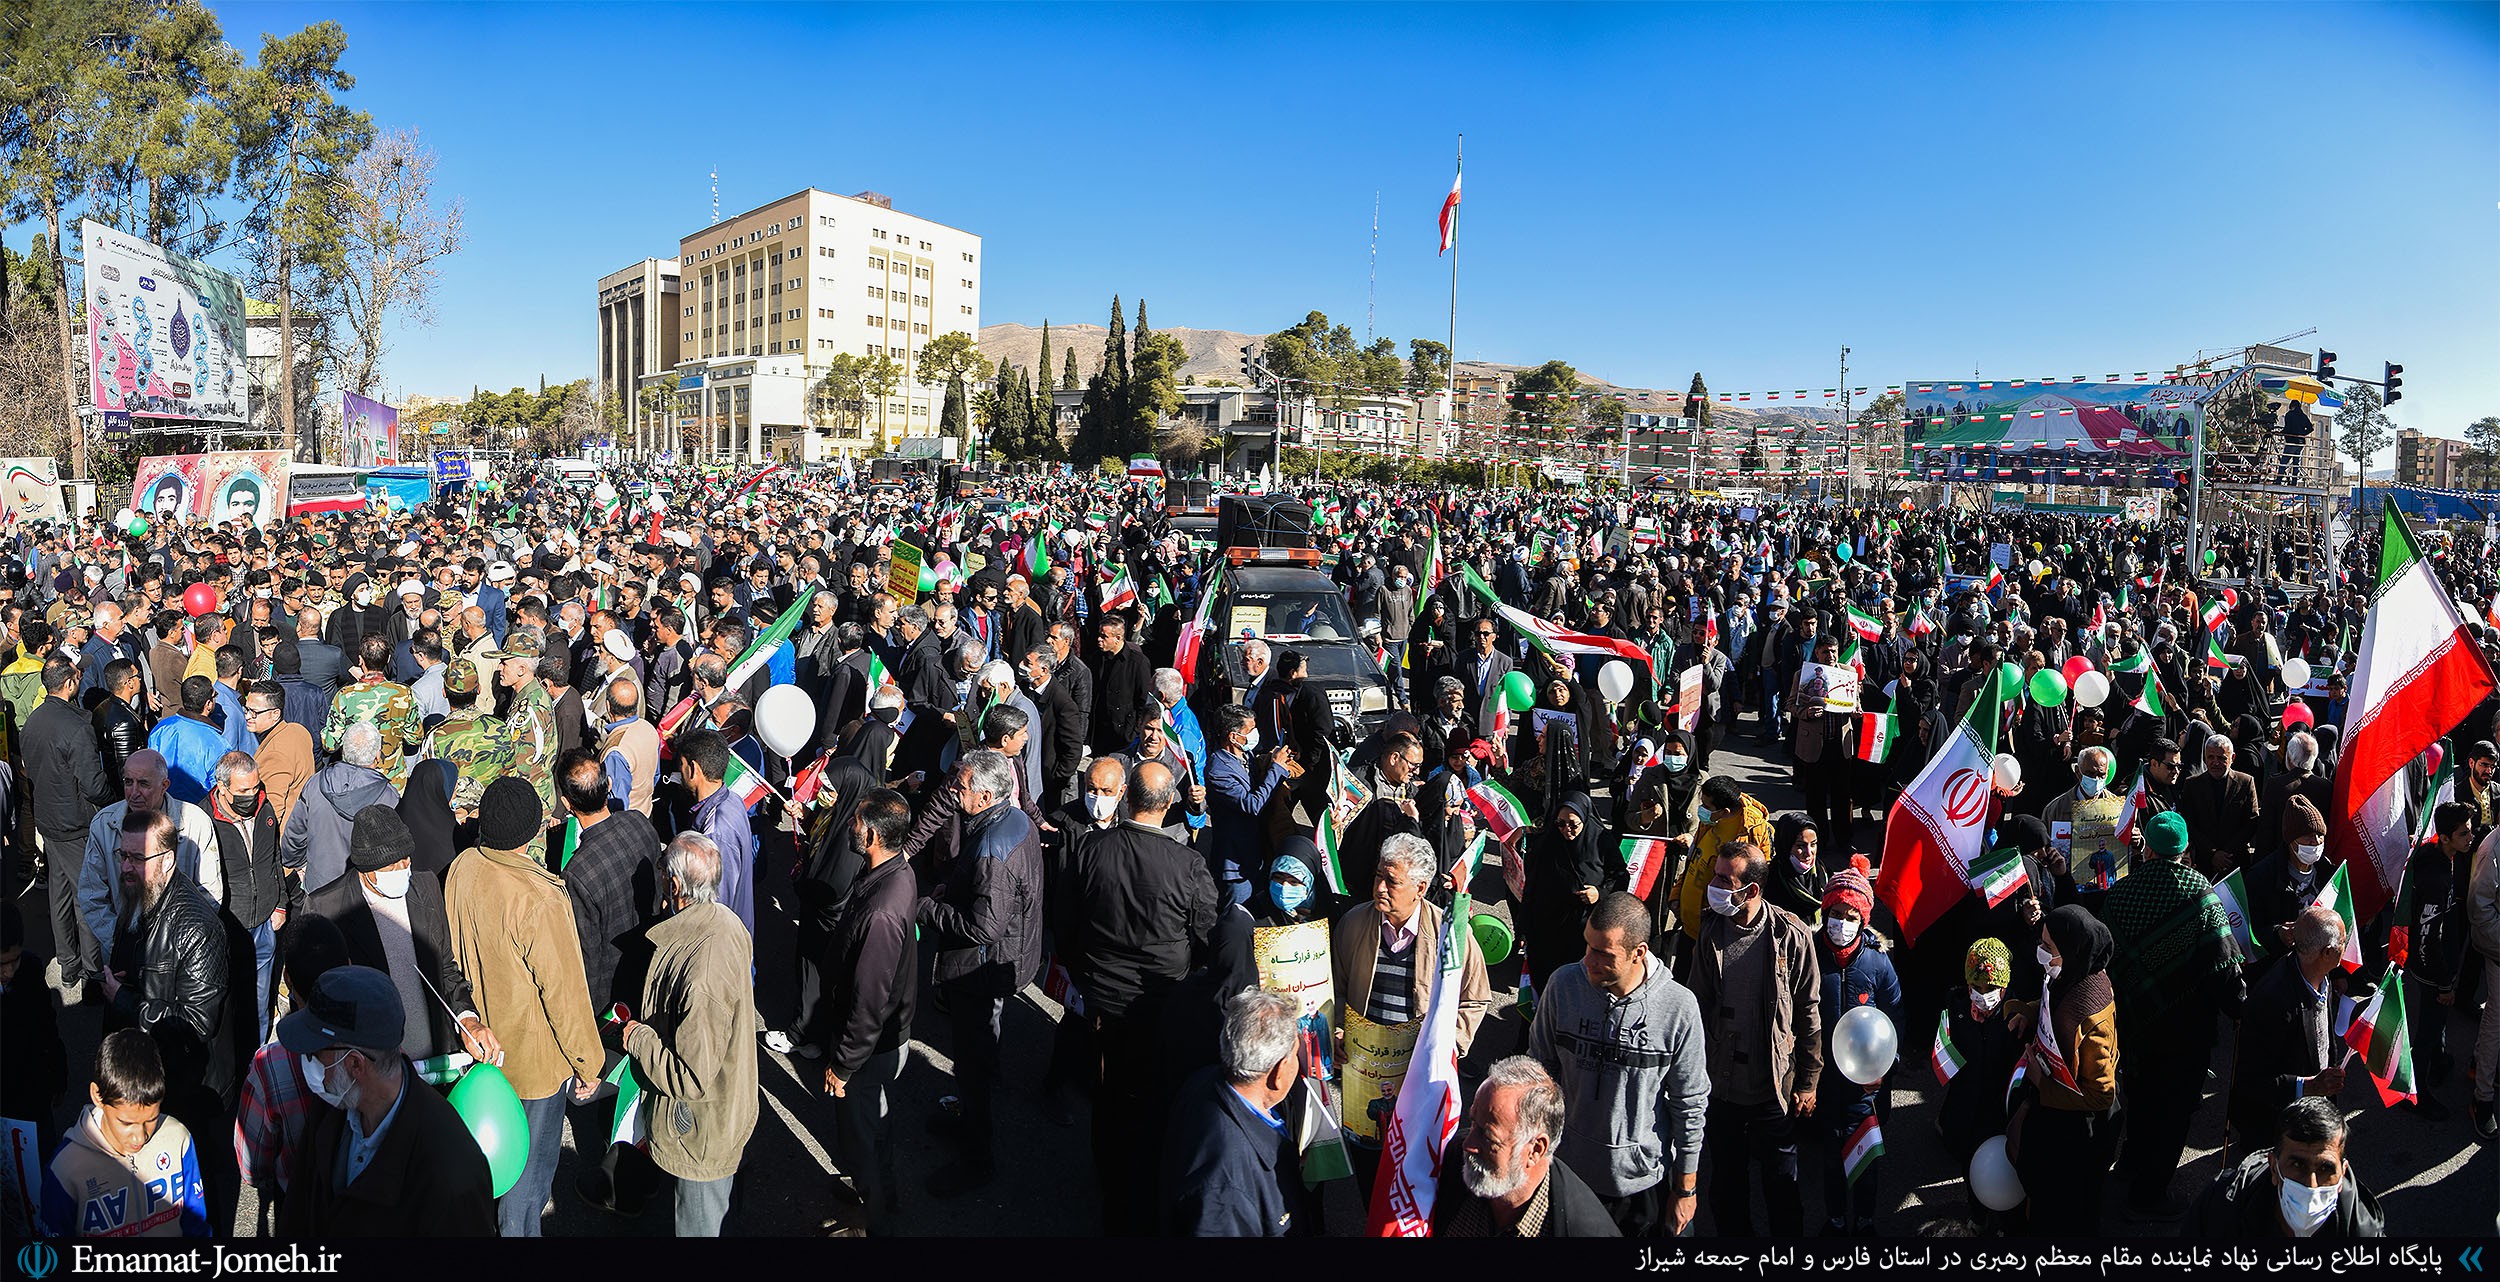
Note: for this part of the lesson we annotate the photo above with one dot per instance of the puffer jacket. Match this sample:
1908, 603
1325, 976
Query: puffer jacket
180, 989
1751, 822
324, 820
987, 919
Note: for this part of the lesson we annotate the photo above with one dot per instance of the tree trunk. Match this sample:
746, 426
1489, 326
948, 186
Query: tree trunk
286, 350
69, 365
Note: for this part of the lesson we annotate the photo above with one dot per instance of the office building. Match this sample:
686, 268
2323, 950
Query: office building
2433, 461
808, 277
637, 340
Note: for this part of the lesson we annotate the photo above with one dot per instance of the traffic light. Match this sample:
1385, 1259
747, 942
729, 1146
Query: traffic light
1250, 361
2395, 379
2326, 365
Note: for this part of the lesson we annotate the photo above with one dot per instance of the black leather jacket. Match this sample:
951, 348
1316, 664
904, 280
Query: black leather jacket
119, 731
175, 984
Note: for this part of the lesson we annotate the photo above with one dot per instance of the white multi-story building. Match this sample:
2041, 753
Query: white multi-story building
810, 276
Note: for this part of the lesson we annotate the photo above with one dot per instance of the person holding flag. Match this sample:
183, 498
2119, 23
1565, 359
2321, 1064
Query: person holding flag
2062, 1137
1975, 1050
2287, 1049
1856, 971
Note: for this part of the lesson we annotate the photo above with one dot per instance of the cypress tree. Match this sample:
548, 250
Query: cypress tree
1067, 373
1044, 364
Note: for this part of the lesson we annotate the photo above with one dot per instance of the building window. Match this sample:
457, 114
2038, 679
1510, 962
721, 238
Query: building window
967, 284
920, 300
924, 245
967, 258
877, 263
876, 292
965, 310
795, 312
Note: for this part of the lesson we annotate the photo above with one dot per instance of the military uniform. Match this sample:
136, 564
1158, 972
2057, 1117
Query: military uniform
532, 724
388, 705
476, 742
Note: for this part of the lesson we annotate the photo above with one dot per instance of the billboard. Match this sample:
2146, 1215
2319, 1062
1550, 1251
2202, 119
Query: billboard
372, 432
164, 333
2046, 433
30, 491
250, 484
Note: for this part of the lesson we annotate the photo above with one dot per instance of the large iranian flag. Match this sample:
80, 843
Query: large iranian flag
2415, 675
1938, 828
1426, 1110
754, 657
1551, 637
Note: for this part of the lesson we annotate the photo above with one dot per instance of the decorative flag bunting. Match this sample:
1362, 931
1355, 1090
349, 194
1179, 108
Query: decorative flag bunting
2415, 674
1643, 858
1938, 827
1998, 879
2336, 895
1865, 1145
2231, 895
1876, 732
2376, 1031
1503, 813
1946, 1057
1426, 1111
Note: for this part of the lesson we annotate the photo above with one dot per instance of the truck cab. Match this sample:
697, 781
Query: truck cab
1276, 589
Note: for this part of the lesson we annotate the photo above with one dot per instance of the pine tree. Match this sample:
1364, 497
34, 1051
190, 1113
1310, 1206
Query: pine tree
1067, 373
1697, 401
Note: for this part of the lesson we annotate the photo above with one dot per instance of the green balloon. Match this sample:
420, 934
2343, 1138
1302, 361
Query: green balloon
138, 527
2048, 688
1493, 936
1518, 691
486, 1101
2009, 681
928, 577
2209, 556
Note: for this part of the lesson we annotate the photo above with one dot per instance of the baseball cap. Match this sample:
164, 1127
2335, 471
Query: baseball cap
354, 1006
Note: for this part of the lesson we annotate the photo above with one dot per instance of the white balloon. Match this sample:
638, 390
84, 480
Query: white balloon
121, 519
1865, 1045
2295, 673
2091, 689
2007, 772
784, 719
1992, 1177
1614, 680
603, 492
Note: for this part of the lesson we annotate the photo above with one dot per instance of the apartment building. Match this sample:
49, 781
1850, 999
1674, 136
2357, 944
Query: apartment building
811, 276
638, 332
2434, 461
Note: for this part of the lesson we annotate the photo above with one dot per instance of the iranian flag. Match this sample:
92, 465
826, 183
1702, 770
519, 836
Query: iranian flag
2215, 612
879, 676
1194, 633
753, 481
1997, 879
614, 511
750, 661
1946, 1058
2415, 675
1865, 1145
1503, 814
809, 782
2375, 1030
632, 1124
1449, 212
2214, 657
2044, 1051
1643, 858
1120, 593
2231, 895
1433, 567
1867, 626
1939, 827
1920, 623
1427, 1106
2100, 614
2133, 808
744, 783
1552, 638
1876, 731
1145, 467
1332, 863
2336, 897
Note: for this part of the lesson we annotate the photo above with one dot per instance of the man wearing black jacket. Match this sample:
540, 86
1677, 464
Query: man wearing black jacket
119, 728
985, 921
65, 774
256, 889
1123, 682
873, 960
1131, 908
381, 893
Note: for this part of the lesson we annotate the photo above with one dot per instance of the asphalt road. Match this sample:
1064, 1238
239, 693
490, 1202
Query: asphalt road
2432, 1177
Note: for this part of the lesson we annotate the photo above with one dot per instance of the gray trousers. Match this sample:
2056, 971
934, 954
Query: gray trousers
702, 1204
863, 1133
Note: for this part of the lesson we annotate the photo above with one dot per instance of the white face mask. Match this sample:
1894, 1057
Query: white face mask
2308, 854
1675, 765
1723, 901
391, 883
364, 596
1984, 1000
1841, 931
1101, 807
331, 1084
2090, 785
1251, 743
2049, 961
2304, 1208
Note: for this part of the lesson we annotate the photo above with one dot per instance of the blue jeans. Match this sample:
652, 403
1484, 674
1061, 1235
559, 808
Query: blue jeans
1772, 686
517, 1212
265, 972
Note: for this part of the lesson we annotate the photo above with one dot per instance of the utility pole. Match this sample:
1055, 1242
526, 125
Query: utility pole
1371, 296
1848, 434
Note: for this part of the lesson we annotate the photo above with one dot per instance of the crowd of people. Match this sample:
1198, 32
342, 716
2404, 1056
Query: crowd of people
335, 814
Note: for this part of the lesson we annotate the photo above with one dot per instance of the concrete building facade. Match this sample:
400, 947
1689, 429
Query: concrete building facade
637, 340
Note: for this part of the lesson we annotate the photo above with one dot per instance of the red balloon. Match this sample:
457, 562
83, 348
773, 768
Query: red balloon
2296, 713
2076, 667
198, 599
2230, 599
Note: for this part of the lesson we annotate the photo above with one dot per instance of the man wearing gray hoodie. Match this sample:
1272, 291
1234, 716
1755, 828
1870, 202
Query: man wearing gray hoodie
322, 826
1625, 1041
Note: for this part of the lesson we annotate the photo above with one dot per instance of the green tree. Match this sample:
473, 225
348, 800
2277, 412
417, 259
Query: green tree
165, 140
55, 76
296, 143
1153, 391
851, 387
2362, 427
955, 418
949, 360
1427, 364
659, 406
1697, 401
2482, 444
1544, 397
1067, 373
1754, 461
1106, 394
1037, 412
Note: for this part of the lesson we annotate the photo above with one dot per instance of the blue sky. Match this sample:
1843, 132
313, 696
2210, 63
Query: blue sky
2021, 191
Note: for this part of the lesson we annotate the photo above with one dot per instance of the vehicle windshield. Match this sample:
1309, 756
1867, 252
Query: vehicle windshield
1318, 615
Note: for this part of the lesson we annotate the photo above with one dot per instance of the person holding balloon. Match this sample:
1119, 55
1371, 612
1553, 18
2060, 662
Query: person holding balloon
1856, 972
1978, 1043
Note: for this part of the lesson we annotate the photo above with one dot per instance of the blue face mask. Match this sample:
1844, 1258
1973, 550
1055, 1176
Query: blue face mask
1289, 883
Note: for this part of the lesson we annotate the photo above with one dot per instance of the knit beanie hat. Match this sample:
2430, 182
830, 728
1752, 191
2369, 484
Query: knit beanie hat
509, 815
2302, 823
2165, 834
379, 839
1988, 964
1850, 887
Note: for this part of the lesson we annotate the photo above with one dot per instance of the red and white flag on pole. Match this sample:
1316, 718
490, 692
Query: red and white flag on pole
1426, 1110
1449, 212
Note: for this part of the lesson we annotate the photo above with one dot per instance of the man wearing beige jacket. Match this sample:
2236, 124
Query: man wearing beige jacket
695, 1056
512, 930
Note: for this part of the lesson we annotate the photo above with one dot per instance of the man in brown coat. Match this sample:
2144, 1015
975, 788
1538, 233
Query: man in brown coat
286, 757
693, 1038
512, 930
1756, 979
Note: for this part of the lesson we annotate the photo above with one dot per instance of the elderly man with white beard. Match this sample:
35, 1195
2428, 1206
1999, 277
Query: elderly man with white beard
1499, 1177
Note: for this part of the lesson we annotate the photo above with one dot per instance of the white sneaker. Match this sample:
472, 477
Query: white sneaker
778, 1042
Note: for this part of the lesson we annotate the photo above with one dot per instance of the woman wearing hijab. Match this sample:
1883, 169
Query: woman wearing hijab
822, 886
1568, 867
1983, 1049
2255, 752
2063, 1137
1797, 879
425, 806
1856, 973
